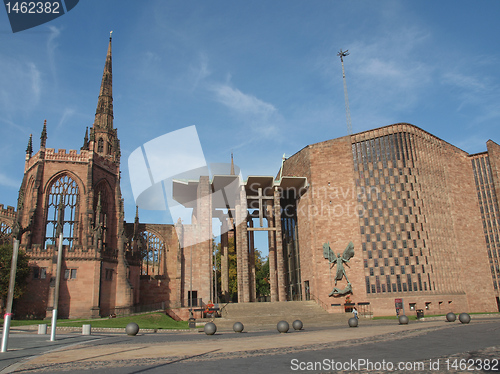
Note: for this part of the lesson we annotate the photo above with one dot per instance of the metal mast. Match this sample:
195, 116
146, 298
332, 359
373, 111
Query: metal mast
342, 54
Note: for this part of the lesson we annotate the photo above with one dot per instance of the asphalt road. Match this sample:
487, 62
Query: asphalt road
456, 348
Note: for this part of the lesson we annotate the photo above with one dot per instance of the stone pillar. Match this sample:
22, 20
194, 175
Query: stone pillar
183, 274
239, 246
244, 249
95, 309
224, 259
203, 247
279, 246
124, 290
273, 278
251, 247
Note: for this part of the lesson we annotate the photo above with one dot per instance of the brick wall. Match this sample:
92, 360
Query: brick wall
407, 200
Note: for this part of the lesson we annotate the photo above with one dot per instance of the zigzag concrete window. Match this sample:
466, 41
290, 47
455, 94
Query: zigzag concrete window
63, 189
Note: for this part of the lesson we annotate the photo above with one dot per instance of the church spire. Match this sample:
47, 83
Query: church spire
232, 164
29, 148
103, 137
86, 140
43, 137
104, 111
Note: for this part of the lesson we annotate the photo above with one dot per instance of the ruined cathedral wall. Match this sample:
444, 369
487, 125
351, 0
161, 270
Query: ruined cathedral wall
166, 286
103, 177
7, 215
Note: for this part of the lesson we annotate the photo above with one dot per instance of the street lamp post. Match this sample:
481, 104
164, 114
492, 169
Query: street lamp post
56, 291
10, 296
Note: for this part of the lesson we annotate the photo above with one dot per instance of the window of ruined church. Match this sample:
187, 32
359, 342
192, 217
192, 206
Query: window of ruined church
100, 145
153, 252
5, 232
65, 190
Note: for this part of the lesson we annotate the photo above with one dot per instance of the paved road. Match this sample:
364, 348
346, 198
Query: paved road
420, 347
24, 346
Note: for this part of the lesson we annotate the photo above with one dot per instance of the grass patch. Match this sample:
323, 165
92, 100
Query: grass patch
145, 321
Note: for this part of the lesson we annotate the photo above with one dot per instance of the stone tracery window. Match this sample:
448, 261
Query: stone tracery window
63, 189
5, 232
153, 253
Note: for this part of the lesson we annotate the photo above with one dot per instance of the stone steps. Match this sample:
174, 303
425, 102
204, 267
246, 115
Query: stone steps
268, 314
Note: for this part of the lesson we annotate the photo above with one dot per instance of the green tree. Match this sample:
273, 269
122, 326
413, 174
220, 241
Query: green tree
22, 273
261, 271
233, 279
261, 274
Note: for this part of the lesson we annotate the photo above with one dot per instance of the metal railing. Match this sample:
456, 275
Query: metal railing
319, 301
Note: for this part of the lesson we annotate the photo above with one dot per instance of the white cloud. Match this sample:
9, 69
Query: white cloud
7, 181
68, 112
36, 81
21, 85
467, 82
51, 48
262, 118
240, 102
200, 72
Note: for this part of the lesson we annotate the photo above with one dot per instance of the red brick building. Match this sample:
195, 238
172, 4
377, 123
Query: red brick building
109, 266
409, 203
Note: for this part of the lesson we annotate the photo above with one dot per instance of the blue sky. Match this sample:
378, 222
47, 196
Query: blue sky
259, 78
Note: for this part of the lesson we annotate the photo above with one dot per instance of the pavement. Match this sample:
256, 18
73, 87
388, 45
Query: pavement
316, 348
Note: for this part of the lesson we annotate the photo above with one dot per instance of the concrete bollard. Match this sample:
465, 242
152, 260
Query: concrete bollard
132, 329
353, 322
210, 328
403, 320
86, 330
283, 327
297, 324
451, 317
238, 327
42, 329
464, 318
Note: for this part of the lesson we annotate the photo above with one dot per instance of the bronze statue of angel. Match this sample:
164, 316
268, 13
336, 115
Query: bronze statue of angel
340, 260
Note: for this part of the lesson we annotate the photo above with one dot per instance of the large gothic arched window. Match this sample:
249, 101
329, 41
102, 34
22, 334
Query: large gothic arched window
63, 190
153, 250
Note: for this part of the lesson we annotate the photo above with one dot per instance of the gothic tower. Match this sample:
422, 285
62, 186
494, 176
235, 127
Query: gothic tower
87, 185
